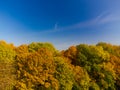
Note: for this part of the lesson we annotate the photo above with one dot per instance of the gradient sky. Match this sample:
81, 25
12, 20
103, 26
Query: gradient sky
61, 22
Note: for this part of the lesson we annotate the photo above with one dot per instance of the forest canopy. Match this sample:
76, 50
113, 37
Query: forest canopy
40, 66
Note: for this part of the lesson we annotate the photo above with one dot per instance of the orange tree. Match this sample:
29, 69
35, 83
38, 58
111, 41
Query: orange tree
35, 69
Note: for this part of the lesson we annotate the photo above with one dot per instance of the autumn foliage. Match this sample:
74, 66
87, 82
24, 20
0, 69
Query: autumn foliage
39, 66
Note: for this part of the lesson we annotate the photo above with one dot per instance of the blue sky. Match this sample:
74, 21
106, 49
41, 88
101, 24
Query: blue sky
61, 22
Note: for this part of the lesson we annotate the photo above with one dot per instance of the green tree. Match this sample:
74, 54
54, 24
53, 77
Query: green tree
63, 74
35, 46
93, 58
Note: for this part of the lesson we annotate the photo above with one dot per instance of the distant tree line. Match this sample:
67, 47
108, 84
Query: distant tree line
39, 66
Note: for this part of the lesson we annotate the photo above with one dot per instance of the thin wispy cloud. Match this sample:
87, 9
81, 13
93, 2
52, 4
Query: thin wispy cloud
112, 17
102, 18
56, 26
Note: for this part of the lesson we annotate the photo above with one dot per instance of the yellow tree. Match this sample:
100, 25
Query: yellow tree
7, 56
81, 78
35, 70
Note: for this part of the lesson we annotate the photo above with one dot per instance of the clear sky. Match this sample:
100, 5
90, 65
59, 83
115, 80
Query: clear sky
61, 22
